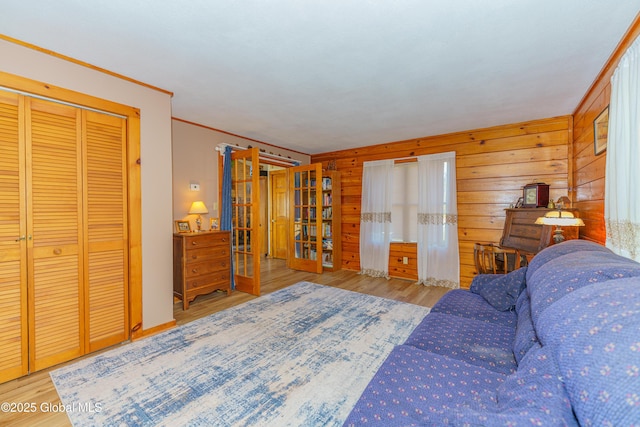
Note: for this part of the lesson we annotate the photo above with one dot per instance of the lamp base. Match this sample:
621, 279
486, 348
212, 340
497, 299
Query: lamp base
199, 223
558, 237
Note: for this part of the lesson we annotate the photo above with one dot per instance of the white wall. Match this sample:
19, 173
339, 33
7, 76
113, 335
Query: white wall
196, 161
155, 134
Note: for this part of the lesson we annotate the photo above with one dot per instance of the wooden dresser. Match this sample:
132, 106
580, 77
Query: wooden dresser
201, 264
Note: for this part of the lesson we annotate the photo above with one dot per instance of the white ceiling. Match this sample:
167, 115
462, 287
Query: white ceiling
324, 75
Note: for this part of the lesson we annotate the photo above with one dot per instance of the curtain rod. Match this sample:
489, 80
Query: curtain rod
405, 160
265, 156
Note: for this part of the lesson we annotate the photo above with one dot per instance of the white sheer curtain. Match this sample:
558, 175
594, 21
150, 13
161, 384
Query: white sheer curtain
622, 197
438, 256
375, 218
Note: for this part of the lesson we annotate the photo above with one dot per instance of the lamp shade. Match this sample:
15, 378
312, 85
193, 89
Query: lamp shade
560, 218
198, 207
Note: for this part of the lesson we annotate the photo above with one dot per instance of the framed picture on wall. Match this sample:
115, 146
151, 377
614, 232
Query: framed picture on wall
183, 226
600, 129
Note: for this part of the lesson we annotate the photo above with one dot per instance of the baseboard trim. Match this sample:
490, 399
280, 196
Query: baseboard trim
155, 330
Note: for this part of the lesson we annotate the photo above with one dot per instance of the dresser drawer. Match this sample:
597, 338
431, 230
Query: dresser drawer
207, 254
212, 266
206, 241
220, 278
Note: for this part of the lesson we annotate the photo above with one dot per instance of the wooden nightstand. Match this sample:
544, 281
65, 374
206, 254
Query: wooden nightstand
201, 264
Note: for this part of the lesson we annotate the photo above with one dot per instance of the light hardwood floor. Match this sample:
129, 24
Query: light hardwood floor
38, 388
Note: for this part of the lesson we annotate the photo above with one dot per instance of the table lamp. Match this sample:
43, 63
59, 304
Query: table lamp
198, 208
560, 219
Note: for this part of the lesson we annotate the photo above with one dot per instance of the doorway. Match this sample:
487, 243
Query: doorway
279, 214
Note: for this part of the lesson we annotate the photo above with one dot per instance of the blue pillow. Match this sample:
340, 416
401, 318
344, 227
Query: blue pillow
502, 292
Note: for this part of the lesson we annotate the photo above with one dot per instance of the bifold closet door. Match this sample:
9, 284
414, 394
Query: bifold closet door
63, 233
13, 263
54, 227
105, 225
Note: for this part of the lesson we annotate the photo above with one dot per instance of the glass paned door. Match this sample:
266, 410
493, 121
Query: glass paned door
305, 190
245, 204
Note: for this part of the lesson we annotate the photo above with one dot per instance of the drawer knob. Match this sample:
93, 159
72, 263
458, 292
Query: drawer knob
195, 270
57, 251
224, 239
194, 242
194, 256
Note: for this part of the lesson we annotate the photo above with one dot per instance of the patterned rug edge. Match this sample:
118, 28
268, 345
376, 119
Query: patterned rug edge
281, 386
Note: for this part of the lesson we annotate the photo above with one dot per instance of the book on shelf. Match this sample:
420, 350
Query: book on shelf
327, 244
327, 213
327, 259
326, 230
326, 183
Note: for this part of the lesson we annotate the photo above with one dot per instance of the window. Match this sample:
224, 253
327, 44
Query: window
404, 212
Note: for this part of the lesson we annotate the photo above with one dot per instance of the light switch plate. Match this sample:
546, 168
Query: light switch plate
195, 187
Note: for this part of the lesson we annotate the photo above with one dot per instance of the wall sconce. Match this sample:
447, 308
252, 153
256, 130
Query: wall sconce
560, 219
198, 208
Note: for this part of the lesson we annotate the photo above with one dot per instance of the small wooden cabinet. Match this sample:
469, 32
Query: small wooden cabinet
201, 264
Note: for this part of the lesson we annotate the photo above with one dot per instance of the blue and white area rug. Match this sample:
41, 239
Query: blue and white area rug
300, 356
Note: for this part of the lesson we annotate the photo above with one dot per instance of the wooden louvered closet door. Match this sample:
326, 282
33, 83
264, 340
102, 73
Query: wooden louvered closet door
54, 222
13, 261
63, 233
106, 230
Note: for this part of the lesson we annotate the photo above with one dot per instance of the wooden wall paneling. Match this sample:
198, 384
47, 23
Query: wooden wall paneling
492, 166
588, 169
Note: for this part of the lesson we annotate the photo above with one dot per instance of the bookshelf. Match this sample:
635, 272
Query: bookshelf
331, 221
315, 224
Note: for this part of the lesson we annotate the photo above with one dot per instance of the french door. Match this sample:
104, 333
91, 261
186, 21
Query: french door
245, 206
305, 226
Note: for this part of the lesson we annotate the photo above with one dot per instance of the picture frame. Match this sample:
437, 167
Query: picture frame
600, 129
520, 202
183, 226
213, 223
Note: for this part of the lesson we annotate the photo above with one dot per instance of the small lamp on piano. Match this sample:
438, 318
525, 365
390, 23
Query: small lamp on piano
197, 208
560, 219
